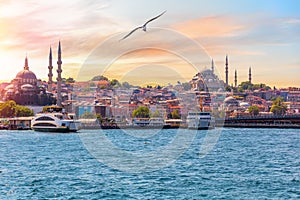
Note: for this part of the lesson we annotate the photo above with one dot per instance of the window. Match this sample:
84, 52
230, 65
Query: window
44, 118
44, 124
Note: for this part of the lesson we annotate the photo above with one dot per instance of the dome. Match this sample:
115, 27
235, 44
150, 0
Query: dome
26, 74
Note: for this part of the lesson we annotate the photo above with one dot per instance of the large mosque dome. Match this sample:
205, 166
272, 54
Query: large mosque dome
25, 89
26, 76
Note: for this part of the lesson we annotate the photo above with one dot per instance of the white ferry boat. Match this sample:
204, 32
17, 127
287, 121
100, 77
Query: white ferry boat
200, 120
148, 122
55, 120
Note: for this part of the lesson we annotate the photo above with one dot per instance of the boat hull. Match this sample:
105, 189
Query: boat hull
54, 130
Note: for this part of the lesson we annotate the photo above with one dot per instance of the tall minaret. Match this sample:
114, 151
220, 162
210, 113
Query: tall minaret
26, 67
226, 70
235, 78
59, 70
250, 78
212, 65
50, 74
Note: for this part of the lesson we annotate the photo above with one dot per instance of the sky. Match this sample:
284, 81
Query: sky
262, 35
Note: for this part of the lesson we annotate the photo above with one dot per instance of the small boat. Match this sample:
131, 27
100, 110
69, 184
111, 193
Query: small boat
200, 120
55, 120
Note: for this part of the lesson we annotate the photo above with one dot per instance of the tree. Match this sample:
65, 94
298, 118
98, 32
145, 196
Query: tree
186, 86
278, 108
175, 114
23, 111
70, 80
99, 118
88, 115
156, 114
11, 109
126, 85
253, 110
115, 82
141, 112
246, 85
8, 109
99, 78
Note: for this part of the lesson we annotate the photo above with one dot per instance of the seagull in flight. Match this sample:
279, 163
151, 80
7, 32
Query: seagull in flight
144, 27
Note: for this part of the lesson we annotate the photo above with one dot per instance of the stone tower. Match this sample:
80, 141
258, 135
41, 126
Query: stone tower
235, 78
250, 78
50, 74
212, 66
226, 70
59, 79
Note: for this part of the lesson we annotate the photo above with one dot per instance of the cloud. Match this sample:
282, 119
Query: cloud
213, 26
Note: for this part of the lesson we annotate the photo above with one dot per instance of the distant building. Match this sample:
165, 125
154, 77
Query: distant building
207, 81
24, 89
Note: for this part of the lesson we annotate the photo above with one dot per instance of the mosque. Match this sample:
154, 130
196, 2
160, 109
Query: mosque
208, 81
26, 89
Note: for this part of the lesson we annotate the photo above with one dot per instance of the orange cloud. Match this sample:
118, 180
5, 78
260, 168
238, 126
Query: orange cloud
214, 26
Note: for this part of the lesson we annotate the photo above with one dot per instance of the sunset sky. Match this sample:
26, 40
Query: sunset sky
263, 35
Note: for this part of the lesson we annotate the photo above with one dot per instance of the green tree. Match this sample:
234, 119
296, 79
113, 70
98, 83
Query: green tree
126, 85
70, 80
99, 117
11, 109
141, 112
8, 109
246, 85
253, 110
88, 115
23, 111
175, 114
156, 114
186, 86
278, 108
115, 83
99, 78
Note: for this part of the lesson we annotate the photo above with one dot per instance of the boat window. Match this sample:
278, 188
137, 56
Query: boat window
45, 124
44, 118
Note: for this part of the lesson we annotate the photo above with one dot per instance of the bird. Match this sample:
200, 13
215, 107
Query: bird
144, 27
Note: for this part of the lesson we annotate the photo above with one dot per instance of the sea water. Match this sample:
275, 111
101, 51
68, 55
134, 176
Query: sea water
93, 164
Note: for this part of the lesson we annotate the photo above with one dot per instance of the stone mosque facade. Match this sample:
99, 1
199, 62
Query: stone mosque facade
207, 80
26, 89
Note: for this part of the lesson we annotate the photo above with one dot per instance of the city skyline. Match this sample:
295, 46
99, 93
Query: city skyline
264, 37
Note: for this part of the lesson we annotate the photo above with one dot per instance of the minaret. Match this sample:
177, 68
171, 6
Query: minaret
235, 78
59, 70
226, 70
50, 74
212, 66
26, 67
250, 79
